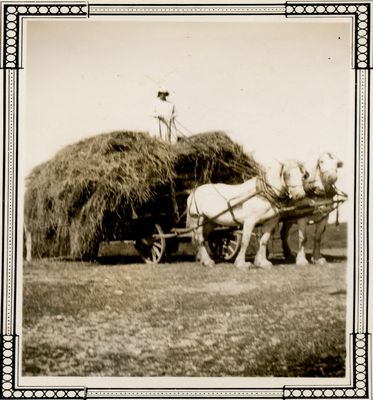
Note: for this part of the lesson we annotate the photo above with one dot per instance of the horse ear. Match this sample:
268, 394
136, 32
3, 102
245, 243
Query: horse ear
282, 169
303, 170
339, 164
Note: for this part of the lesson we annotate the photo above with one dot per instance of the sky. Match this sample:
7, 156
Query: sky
283, 88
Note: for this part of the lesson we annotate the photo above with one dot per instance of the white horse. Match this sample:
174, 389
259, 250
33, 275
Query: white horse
320, 185
246, 204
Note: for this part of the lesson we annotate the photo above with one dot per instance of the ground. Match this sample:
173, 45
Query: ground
181, 319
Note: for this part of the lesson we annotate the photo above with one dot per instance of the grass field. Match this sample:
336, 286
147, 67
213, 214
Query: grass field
180, 319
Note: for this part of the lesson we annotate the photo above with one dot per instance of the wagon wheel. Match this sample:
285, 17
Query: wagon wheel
152, 247
225, 246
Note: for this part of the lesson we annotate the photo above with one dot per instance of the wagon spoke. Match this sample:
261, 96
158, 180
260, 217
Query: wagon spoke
156, 251
157, 245
225, 246
154, 246
155, 254
232, 246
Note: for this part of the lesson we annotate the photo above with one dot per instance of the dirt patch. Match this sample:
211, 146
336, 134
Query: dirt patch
180, 319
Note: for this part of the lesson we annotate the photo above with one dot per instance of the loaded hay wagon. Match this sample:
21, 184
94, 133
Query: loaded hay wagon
126, 185
130, 186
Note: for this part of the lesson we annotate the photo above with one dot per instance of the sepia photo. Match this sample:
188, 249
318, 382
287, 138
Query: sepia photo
185, 200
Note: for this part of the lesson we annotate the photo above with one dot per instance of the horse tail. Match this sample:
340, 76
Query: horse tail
190, 205
194, 218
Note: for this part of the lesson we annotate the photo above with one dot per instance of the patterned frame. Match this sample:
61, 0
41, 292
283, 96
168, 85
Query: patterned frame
12, 17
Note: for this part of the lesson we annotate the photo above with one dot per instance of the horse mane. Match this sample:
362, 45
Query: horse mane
265, 186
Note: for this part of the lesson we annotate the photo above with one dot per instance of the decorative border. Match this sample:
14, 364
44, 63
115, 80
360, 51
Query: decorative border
12, 21
12, 17
359, 387
9, 346
359, 11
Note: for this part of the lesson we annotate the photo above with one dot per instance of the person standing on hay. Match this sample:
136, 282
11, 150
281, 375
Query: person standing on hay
164, 114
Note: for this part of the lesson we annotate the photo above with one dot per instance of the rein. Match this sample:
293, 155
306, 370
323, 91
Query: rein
268, 192
233, 165
273, 194
230, 206
248, 197
263, 188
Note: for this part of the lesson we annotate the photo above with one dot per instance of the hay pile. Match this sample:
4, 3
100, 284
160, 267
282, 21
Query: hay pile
75, 200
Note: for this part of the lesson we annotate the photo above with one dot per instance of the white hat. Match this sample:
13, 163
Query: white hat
162, 89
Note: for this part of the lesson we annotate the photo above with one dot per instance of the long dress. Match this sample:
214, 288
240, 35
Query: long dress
164, 129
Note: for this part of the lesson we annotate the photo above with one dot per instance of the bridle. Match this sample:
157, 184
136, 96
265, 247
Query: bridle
288, 186
313, 189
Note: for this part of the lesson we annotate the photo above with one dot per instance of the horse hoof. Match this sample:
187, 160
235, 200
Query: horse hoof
319, 261
301, 262
244, 266
264, 264
209, 264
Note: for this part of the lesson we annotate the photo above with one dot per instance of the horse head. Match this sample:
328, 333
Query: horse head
328, 165
286, 179
292, 175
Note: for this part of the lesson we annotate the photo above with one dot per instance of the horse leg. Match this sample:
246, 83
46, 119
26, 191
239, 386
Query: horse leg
317, 258
208, 227
284, 234
192, 223
201, 234
261, 256
197, 235
240, 261
302, 236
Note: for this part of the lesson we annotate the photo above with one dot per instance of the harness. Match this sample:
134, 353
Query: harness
229, 205
269, 192
313, 190
229, 208
263, 189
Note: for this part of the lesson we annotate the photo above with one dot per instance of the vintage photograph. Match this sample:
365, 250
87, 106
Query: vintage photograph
185, 200
188, 197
